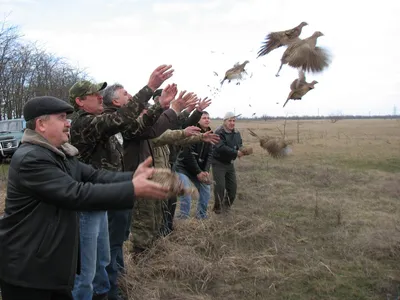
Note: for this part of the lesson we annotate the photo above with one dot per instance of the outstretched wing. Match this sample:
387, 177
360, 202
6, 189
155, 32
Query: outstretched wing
303, 56
278, 39
253, 133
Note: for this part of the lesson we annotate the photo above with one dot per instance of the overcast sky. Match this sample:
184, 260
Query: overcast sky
125, 40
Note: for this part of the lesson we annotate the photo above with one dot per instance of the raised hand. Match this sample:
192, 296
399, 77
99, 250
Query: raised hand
203, 104
191, 107
167, 95
193, 100
184, 100
159, 75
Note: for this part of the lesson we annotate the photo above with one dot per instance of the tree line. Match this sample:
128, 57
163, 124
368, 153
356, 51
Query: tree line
333, 118
28, 71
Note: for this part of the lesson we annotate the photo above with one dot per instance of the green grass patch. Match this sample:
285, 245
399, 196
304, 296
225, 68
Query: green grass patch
3, 172
391, 165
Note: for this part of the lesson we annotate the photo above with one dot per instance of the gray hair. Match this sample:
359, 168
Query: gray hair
109, 93
31, 124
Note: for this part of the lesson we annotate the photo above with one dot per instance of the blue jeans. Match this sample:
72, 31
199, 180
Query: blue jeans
95, 256
118, 227
185, 201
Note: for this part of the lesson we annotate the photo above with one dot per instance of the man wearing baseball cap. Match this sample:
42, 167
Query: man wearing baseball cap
223, 168
47, 185
93, 134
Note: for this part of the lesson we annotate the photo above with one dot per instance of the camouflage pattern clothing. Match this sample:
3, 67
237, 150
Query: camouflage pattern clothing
94, 135
147, 219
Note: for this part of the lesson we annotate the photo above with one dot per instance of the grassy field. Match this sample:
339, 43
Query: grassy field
320, 224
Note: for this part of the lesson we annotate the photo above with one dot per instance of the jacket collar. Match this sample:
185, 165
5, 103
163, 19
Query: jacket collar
202, 130
222, 127
32, 137
110, 109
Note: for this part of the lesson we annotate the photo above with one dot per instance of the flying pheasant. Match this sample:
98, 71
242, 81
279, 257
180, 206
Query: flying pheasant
235, 72
276, 147
278, 39
306, 55
300, 87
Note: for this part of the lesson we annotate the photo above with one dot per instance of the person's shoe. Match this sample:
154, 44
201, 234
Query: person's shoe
201, 217
217, 210
226, 209
117, 294
100, 297
118, 297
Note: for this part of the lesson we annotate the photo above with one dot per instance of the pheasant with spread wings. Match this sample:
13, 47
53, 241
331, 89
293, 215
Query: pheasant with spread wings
305, 54
278, 39
235, 72
276, 147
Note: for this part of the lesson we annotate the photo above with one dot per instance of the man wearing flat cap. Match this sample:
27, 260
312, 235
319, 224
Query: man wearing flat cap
47, 185
223, 168
92, 133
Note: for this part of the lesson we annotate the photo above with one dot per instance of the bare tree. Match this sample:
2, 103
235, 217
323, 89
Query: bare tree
27, 71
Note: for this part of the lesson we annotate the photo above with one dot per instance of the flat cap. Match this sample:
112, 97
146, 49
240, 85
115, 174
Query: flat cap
83, 88
45, 105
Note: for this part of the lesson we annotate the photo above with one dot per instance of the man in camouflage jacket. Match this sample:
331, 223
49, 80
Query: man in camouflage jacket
114, 97
92, 133
148, 221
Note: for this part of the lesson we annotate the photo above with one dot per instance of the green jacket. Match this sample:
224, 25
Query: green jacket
161, 151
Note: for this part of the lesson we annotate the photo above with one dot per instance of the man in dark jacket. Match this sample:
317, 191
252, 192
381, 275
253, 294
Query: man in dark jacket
194, 116
224, 155
193, 164
47, 184
136, 149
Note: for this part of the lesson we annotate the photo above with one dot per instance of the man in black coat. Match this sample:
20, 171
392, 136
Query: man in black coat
47, 184
193, 165
193, 119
